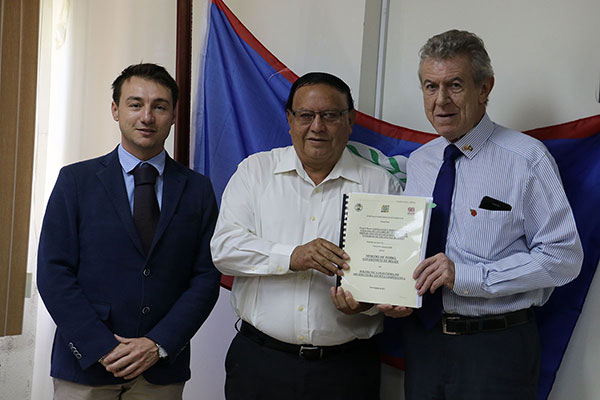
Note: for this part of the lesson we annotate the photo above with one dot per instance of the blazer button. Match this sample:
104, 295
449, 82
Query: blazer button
146, 310
146, 272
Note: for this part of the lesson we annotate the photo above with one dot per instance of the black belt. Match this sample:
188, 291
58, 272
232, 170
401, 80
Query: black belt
306, 351
461, 325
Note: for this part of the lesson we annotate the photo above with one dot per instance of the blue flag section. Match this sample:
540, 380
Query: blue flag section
241, 110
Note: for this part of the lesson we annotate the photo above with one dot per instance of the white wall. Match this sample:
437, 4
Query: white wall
546, 62
543, 53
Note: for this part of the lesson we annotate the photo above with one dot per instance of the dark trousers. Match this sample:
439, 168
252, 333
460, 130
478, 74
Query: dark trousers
258, 372
500, 365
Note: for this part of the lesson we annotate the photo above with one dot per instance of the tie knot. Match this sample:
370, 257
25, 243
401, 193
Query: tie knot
451, 153
144, 174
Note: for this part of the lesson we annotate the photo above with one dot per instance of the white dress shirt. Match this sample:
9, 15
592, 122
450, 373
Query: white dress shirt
505, 260
269, 207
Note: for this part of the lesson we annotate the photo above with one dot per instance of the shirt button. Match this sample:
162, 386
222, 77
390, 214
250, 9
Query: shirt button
146, 310
300, 308
465, 292
146, 272
317, 190
301, 337
312, 218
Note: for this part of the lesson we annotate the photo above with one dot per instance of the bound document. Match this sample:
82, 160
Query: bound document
385, 237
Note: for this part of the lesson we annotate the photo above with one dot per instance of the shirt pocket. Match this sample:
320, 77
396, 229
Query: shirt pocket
487, 233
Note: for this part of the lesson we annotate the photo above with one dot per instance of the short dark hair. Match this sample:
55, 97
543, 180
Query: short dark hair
314, 78
151, 72
453, 43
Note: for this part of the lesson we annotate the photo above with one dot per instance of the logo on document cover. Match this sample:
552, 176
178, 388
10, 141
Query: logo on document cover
411, 211
358, 207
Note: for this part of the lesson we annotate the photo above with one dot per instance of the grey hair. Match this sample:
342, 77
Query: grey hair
454, 43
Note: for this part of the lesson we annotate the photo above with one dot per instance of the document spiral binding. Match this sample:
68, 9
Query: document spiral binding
344, 220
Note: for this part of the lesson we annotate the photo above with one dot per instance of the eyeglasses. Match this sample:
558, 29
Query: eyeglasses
306, 117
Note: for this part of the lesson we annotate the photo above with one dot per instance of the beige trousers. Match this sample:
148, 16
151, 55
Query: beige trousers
136, 389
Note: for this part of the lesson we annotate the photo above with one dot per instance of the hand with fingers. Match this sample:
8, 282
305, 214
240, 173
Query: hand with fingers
131, 357
433, 273
345, 303
394, 311
321, 255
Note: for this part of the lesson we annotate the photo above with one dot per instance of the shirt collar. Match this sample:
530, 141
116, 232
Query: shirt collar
129, 161
473, 141
346, 167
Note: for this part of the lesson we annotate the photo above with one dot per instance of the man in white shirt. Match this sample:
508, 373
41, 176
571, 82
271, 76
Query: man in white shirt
279, 221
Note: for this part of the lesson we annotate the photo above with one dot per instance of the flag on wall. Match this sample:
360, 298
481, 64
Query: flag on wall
241, 111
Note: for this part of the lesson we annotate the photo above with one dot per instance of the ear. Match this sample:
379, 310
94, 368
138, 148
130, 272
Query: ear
486, 89
351, 117
174, 116
114, 109
289, 118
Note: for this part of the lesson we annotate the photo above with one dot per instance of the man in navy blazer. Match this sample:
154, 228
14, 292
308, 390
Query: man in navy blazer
125, 315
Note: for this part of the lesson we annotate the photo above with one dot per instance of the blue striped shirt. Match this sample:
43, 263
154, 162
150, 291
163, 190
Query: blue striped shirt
504, 260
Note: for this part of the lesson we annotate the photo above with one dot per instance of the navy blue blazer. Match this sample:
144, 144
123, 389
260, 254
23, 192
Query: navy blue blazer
96, 281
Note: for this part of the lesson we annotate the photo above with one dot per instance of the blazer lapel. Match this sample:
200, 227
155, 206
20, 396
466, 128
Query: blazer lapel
173, 185
112, 179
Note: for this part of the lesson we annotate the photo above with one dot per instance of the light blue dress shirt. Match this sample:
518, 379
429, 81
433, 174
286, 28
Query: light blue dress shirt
129, 162
505, 260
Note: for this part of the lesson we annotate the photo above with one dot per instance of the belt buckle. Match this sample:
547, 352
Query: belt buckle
445, 330
307, 352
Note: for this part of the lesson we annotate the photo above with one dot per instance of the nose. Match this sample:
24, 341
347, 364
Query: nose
147, 115
317, 124
442, 96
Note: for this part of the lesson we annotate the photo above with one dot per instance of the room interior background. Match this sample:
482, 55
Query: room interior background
547, 68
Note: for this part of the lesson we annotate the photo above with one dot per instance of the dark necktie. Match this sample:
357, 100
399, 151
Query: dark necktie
431, 310
145, 205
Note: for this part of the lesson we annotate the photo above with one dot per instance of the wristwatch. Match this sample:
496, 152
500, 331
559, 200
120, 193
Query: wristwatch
162, 353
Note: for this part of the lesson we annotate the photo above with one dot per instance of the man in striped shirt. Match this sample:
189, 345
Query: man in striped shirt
511, 238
